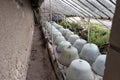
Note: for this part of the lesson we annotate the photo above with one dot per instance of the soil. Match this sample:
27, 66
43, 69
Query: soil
39, 66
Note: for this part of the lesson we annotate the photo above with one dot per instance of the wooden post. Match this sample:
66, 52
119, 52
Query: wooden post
112, 67
89, 26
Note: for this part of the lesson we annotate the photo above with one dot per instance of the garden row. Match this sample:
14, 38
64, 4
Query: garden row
82, 59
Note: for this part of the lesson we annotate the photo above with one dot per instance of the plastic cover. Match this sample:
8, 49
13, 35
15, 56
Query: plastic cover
83, 8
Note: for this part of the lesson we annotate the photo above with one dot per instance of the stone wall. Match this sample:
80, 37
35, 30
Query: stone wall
16, 30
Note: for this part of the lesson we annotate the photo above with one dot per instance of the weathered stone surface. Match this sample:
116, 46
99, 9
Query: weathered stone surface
16, 30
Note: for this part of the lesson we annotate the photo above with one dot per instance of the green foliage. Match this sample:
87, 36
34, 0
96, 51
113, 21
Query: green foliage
65, 24
98, 34
73, 26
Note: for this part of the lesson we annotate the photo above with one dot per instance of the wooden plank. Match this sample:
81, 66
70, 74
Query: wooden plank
52, 58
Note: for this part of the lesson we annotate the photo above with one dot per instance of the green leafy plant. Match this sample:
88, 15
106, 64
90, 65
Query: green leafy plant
98, 34
65, 24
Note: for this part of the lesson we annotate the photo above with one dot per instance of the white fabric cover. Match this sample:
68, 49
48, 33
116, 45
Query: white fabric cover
50, 28
57, 26
65, 31
90, 52
68, 34
59, 39
56, 34
61, 30
79, 70
79, 43
68, 54
62, 45
73, 38
47, 24
99, 65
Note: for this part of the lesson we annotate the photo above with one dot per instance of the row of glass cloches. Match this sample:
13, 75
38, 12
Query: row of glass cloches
81, 58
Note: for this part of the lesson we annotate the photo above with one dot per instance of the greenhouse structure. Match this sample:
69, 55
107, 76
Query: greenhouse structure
59, 39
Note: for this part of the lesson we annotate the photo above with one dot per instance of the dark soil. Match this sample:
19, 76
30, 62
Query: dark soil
39, 66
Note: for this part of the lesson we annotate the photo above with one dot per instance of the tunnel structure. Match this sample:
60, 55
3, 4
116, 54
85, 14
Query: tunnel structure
20, 26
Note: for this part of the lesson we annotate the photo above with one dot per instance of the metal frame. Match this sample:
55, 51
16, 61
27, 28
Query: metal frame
105, 7
83, 8
71, 7
98, 9
112, 2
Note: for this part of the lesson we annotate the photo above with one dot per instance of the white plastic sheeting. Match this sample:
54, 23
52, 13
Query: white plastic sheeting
62, 45
99, 65
79, 43
90, 52
83, 8
73, 38
68, 54
79, 70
